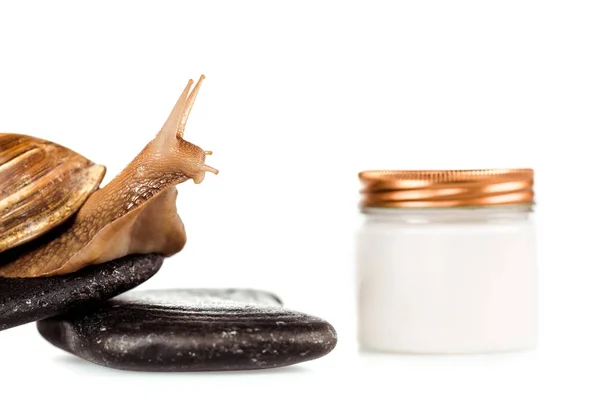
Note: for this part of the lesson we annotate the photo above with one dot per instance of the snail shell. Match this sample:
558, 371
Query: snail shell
41, 185
135, 213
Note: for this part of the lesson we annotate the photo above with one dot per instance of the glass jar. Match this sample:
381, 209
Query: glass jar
447, 261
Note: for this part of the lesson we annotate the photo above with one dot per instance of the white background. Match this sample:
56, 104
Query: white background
299, 97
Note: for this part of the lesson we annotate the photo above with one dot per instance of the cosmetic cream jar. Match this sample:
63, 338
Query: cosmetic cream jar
447, 261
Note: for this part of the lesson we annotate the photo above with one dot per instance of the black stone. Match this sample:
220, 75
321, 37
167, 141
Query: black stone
24, 300
191, 330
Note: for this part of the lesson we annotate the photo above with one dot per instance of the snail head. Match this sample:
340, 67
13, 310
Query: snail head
168, 151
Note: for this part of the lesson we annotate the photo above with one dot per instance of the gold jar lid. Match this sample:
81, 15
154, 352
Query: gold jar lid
450, 188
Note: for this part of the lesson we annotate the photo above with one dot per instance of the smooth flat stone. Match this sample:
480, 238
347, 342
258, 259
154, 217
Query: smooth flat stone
191, 330
24, 300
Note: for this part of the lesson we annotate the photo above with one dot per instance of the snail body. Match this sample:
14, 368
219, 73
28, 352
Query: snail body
135, 213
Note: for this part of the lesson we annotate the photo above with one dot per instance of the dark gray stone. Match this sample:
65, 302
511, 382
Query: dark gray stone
191, 330
31, 299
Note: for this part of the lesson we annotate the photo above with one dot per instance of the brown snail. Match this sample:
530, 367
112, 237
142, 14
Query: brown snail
54, 220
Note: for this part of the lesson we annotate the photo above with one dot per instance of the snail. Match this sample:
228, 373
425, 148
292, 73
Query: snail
55, 220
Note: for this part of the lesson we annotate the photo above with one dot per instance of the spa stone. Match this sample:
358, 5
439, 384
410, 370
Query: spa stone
24, 300
191, 330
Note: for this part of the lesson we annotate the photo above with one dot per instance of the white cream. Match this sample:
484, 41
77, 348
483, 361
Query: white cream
447, 280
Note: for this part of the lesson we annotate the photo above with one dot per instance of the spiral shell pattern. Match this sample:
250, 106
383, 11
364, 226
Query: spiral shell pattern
41, 185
